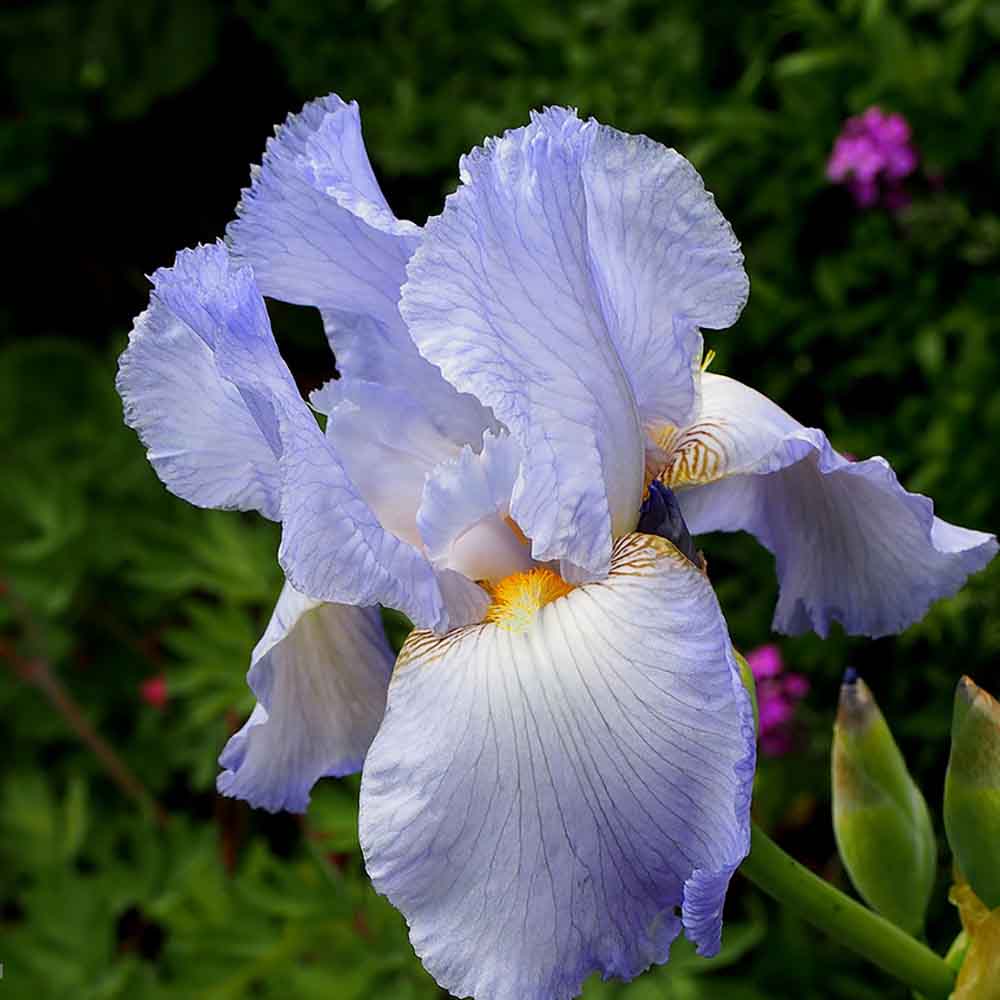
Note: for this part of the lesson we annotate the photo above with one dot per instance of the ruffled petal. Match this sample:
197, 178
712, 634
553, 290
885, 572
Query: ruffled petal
368, 350
201, 438
548, 802
463, 516
388, 444
314, 224
318, 231
666, 262
320, 674
565, 285
332, 544
850, 544
501, 297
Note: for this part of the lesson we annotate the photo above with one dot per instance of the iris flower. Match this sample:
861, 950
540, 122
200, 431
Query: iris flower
557, 768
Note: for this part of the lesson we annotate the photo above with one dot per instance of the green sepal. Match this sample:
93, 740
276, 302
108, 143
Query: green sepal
880, 819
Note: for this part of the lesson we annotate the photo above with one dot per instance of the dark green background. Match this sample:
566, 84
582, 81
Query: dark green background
126, 132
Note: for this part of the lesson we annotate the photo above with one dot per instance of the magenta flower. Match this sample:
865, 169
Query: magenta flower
871, 156
153, 691
778, 695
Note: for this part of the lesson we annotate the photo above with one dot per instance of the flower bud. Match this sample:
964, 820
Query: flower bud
880, 819
972, 790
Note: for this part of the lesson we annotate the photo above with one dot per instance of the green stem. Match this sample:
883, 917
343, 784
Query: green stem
848, 922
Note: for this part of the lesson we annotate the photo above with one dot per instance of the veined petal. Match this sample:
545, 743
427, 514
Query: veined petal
548, 802
388, 444
369, 350
332, 544
501, 297
320, 674
463, 516
850, 543
318, 231
314, 223
201, 438
666, 262
565, 285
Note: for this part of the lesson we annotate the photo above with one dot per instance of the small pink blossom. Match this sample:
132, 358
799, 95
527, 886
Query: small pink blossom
153, 691
871, 156
778, 696
765, 661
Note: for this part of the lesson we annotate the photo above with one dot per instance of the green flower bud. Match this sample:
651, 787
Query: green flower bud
880, 819
972, 790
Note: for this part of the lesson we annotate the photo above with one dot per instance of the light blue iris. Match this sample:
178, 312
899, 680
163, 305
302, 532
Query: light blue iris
561, 797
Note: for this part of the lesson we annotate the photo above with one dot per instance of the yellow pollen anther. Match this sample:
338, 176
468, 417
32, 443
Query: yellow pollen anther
709, 358
519, 597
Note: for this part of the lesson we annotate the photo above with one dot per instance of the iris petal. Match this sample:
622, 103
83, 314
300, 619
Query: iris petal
388, 443
332, 544
549, 802
666, 262
318, 231
564, 285
464, 510
500, 296
382, 353
320, 673
202, 439
851, 545
314, 224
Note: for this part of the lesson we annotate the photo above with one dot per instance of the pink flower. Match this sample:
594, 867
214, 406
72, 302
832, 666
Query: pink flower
778, 695
765, 661
153, 691
871, 156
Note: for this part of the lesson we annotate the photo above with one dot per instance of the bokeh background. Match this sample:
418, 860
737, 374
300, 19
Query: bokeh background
126, 617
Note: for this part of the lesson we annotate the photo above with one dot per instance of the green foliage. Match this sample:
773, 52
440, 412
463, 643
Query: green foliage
70, 67
880, 328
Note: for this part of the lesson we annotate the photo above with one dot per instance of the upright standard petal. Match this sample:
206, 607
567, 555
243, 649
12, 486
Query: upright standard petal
368, 350
850, 543
667, 263
313, 222
320, 674
332, 545
554, 794
500, 296
564, 286
388, 444
318, 231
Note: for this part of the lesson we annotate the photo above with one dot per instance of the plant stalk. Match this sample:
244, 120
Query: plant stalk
853, 925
